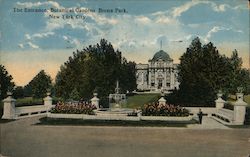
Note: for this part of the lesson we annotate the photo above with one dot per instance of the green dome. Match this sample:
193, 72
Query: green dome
161, 55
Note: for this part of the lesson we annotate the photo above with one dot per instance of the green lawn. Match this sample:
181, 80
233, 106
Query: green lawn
81, 122
247, 99
139, 100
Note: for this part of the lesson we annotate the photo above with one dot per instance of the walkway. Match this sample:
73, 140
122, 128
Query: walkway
22, 138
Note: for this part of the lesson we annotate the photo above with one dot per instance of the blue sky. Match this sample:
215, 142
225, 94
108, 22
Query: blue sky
32, 41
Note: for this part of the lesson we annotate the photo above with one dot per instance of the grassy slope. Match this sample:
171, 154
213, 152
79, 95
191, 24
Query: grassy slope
141, 99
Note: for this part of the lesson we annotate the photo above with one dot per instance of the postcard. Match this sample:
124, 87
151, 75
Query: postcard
124, 78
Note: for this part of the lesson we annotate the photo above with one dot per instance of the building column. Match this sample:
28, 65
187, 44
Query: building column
165, 79
171, 79
142, 77
156, 82
149, 79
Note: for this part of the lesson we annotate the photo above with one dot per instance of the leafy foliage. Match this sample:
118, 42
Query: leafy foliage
39, 85
96, 68
6, 83
203, 72
18, 92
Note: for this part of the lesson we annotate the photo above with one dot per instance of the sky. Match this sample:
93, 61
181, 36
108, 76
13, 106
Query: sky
31, 41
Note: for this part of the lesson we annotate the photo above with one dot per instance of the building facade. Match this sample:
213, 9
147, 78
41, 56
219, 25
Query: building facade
160, 74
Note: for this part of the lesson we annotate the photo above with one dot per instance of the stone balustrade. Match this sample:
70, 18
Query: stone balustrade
235, 117
10, 110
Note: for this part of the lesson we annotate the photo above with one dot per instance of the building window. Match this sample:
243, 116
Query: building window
152, 84
168, 84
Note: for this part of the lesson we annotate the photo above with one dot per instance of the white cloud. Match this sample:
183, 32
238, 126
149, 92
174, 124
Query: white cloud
42, 35
65, 37
38, 35
32, 45
177, 11
76, 42
216, 29
143, 19
72, 41
27, 36
165, 20
212, 31
21, 46
220, 8
101, 19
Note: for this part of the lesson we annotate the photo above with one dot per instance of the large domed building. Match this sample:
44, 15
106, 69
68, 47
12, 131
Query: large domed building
159, 74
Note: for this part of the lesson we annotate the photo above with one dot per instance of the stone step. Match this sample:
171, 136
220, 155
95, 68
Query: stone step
221, 120
229, 114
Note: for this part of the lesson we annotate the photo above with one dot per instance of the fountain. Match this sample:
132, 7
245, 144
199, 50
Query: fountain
115, 100
115, 103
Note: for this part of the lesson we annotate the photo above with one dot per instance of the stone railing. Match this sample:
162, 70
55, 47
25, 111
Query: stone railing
235, 117
10, 110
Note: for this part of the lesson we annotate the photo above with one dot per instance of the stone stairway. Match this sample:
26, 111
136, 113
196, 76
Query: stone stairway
224, 116
207, 123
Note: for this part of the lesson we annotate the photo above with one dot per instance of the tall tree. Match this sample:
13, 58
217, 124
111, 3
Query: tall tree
96, 67
39, 85
203, 71
6, 83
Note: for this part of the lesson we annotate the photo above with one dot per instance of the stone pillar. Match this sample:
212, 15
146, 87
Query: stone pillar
48, 101
149, 79
143, 80
219, 102
239, 110
156, 83
162, 101
165, 79
171, 77
95, 101
9, 107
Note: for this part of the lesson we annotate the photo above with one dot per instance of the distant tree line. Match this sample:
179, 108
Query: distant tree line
96, 68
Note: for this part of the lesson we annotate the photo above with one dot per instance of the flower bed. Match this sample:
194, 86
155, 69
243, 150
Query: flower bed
74, 108
154, 109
